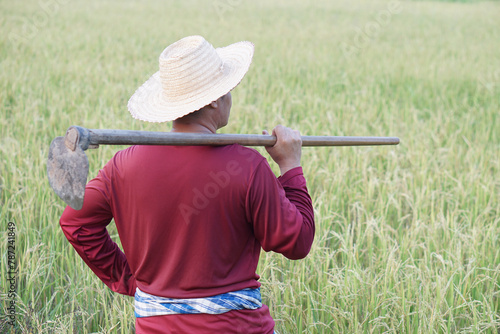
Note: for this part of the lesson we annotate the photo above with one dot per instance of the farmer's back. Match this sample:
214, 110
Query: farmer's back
193, 219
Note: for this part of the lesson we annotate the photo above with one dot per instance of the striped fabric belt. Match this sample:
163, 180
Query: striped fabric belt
147, 305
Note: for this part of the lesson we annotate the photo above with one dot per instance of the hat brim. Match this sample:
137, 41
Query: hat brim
147, 104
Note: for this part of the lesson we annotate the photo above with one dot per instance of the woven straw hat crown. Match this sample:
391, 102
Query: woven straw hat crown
192, 75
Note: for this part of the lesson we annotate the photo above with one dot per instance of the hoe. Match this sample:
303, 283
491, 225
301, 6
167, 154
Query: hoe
68, 166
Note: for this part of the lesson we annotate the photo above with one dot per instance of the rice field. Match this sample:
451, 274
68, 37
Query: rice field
407, 237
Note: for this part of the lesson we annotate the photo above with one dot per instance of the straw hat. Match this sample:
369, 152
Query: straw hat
192, 75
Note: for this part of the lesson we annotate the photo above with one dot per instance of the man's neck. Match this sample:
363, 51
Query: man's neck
192, 127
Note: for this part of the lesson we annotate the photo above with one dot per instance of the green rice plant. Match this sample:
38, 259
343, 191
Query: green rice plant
407, 237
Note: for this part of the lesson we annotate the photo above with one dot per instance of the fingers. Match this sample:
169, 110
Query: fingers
285, 134
287, 150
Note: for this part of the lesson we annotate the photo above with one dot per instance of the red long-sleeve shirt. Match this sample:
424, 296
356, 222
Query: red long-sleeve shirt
192, 221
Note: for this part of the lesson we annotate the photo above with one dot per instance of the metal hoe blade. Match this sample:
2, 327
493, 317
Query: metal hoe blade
67, 170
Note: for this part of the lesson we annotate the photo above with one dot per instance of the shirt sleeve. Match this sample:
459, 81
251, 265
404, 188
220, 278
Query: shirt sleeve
281, 212
86, 231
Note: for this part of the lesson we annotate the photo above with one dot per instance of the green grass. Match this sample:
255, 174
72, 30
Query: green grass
407, 237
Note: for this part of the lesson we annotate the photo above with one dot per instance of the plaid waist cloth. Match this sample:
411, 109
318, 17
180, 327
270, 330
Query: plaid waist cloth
147, 305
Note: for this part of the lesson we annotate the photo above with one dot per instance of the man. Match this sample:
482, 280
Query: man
193, 219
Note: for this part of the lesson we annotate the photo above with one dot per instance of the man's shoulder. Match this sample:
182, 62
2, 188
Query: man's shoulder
122, 159
245, 154
123, 154
246, 157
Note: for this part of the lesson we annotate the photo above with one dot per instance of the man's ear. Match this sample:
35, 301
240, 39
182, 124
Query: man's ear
214, 104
